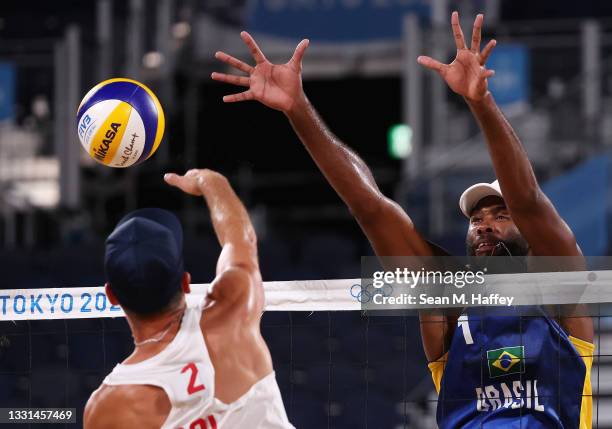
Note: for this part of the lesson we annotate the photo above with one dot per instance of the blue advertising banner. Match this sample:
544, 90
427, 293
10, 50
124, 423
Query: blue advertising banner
510, 85
580, 198
333, 20
7, 91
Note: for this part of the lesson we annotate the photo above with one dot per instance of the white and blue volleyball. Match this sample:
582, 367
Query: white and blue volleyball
120, 122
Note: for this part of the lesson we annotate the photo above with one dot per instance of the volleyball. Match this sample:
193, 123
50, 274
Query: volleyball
120, 122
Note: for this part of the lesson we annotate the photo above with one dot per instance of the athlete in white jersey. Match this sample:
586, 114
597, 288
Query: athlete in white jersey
197, 363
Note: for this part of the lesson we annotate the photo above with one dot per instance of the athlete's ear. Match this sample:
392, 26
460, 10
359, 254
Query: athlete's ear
109, 293
186, 282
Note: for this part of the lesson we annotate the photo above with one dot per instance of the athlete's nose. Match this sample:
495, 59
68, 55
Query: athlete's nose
483, 230
484, 227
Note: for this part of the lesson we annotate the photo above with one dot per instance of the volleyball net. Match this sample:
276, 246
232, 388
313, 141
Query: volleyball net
341, 360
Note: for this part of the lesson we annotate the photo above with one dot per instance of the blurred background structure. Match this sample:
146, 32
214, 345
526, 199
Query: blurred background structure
553, 80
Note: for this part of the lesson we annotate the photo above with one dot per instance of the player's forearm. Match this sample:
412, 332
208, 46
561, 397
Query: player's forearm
510, 161
229, 216
345, 171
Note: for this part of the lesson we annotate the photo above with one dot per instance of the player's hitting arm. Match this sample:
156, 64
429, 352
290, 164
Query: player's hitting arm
231, 222
238, 273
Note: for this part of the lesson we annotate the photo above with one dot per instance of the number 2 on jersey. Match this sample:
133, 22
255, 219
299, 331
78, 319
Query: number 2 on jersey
192, 388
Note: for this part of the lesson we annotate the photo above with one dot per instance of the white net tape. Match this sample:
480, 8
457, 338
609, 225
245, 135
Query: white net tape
583, 287
91, 302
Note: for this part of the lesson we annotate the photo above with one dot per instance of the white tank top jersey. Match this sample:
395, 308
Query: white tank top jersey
185, 372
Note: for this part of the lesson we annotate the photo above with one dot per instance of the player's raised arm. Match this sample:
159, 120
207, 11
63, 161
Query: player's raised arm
388, 228
237, 268
279, 86
533, 213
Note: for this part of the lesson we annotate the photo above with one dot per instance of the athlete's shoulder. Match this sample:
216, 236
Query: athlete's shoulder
113, 407
97, 413
240, 289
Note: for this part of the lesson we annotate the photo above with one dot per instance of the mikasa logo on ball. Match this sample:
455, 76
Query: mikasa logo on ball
102, 150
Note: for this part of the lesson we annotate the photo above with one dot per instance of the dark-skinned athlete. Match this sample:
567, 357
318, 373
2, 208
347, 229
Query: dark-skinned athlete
521, 386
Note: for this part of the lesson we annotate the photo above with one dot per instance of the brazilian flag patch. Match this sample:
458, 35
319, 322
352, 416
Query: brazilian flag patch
505, 361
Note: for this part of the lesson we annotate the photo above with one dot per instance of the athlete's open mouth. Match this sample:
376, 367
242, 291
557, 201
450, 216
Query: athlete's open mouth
485, 247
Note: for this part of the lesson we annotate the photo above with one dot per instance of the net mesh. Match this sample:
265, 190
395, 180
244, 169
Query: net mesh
335, 369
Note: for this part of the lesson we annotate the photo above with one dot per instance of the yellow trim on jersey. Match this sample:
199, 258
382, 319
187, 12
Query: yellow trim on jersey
437, 371
586, 351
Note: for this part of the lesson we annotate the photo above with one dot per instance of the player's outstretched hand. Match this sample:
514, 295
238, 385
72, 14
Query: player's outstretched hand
278, 86
466, 75
191, 182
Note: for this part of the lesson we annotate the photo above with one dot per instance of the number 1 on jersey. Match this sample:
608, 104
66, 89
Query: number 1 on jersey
462, 322
192, 388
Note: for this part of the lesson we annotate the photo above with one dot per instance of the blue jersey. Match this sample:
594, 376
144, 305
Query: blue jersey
511, 371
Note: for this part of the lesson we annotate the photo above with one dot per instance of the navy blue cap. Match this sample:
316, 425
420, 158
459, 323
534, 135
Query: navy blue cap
144, 259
